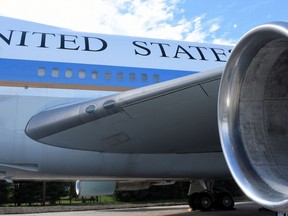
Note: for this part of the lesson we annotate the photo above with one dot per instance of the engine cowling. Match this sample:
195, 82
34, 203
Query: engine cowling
253, 115
102, 188
95, 188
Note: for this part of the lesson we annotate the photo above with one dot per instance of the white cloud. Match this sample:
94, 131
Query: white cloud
214, 27
224, 41
146, 18
203, 32
197, 34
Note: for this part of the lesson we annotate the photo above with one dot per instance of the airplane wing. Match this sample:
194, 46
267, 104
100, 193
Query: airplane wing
177, 116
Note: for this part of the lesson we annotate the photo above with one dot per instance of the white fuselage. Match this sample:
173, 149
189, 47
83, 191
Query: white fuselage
42, 67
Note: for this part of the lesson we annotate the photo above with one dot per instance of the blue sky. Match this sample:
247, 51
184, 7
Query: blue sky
212, 21
236, 17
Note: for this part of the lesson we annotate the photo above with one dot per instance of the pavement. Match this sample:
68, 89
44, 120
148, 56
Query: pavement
243, 209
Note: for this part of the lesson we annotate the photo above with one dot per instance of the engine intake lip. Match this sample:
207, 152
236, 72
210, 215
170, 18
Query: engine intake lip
252, 115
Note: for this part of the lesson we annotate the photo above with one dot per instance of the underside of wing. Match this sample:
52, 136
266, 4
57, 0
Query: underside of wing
177, 116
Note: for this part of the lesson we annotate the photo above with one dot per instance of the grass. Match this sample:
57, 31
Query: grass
103, 200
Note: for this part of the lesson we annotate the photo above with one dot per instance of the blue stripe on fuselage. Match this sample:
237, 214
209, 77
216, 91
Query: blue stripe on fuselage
15, 70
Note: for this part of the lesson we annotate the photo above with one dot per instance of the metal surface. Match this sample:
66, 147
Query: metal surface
252, 115
140, 120
95, 188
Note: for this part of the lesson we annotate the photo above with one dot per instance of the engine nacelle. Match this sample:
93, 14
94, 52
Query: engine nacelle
95, 188
253, 115
102, 188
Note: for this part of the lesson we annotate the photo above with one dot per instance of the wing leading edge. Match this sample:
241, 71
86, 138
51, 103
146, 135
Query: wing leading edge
177, 116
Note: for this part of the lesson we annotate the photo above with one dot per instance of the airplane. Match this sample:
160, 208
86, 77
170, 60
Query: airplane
93, 107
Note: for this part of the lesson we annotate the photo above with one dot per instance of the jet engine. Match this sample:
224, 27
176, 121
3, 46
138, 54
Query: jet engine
95, 188
253, 115
102, 188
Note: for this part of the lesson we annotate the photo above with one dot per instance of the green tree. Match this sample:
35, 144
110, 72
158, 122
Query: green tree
27, 192
32, 192
54, 191
4, 192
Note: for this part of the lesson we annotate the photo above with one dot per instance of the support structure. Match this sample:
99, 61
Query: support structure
210, 198
44, 193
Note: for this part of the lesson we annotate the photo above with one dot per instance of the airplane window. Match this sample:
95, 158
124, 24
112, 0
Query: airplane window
108, 75
94, 74
41, 71
132, 76
120, 76
156, 78
144, 77
82, 74
55, 72
68, 73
